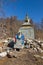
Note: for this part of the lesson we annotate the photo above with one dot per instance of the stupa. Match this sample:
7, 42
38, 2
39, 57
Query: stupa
27, 28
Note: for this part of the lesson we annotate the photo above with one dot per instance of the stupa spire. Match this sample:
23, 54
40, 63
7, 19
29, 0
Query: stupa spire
27, 18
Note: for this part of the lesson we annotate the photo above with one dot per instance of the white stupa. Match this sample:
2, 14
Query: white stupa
27, 29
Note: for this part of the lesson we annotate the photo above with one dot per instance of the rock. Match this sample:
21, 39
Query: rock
3, 54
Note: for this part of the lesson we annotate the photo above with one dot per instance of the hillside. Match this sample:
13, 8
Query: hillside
10, 26
24, 58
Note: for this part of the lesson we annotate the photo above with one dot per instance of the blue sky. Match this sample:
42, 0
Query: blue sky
19, 8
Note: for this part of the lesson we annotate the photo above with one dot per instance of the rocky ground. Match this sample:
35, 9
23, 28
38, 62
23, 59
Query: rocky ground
24, 57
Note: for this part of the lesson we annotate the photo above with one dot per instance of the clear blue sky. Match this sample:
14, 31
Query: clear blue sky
19, 8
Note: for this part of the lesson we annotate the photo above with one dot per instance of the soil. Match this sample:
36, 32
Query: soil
24, 58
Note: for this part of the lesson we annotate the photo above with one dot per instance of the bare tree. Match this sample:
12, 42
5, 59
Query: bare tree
42, 24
